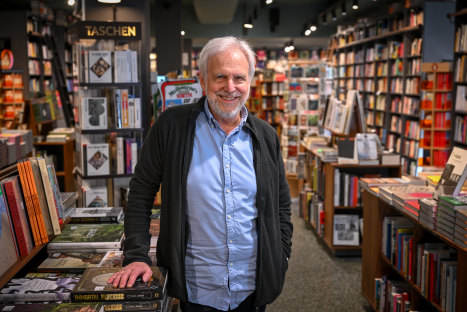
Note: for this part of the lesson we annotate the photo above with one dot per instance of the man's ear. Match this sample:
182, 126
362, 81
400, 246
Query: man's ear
202, 81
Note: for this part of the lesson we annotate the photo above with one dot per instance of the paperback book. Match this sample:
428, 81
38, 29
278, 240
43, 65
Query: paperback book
454, 174
97, 159
96, 215
75, 262
93, 113
79, 307
31, 307
346, 231
95, 197
93, 287
87, 236
38, 289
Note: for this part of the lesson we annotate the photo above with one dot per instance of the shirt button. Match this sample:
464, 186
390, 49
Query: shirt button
229, 216
230, 241
228, 191
231, 263
227, 166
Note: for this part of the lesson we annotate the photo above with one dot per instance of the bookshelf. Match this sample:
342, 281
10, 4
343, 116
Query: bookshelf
109, 101
459, 111
382, 59
12, 101
375, 264
435, 113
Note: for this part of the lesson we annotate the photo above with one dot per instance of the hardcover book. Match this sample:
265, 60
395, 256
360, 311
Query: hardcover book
134, 306
38, 289
79, 307
39, 189
345, 230
93, 113
70, 262
93, 287
97, 159
49, 196
9, 251
88, 236
100, 66
31, 307
114, 258
95, 197
96, 215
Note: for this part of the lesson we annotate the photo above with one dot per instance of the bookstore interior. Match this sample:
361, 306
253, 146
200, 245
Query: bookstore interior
371, 117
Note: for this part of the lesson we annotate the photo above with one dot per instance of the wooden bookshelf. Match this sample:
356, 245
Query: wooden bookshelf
375, 264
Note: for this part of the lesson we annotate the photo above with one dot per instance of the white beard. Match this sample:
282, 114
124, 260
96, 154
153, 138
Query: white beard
227, 115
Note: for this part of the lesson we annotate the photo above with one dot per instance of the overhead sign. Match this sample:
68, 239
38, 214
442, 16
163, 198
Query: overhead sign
109, 30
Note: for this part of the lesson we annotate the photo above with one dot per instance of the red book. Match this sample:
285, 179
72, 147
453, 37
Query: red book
18, 215
128, 168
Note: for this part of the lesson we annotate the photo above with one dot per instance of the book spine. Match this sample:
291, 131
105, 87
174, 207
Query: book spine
138, 123
39, 188
83, 246
128, 156
125, 108
122, 295
29, 205
16, 218
35, 297
134, 155
108, 219
120, 156
56, 191
35, 201
134, 66
131, 112
118, 107
49, 196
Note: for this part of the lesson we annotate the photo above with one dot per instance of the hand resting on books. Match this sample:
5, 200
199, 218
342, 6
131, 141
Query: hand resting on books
127, 276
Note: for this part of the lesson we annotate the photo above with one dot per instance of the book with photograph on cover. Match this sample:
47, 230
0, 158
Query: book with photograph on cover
75, 262
93, 287
454, 174
97, 159
100, 66
93, 113
95, 197
346, 231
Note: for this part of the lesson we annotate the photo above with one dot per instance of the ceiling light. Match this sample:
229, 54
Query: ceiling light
343, 10
355, 4
248, 24
71, 2
307, 32
268, 1
334, 17
110, 1
314, 26
182, 33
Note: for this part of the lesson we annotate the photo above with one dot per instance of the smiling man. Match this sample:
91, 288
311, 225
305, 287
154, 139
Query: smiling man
225, 234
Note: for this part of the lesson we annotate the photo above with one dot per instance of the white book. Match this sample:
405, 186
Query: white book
120, 157
93, 112
134, 66
95, 197
346, 230
97, 159
122, 71
134, 155
100, 67
137, 103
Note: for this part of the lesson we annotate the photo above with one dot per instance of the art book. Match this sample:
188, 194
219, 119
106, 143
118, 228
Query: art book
96, 215
38, 289
97, 159
31, 307
93, 287
114, 258
93, 113
346, 231
454, 174
95, 197
87, 236
100, 66
136, 306
9, 250
79, 307
74, 262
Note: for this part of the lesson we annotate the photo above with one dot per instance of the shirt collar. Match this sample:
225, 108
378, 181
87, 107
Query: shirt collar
213, 122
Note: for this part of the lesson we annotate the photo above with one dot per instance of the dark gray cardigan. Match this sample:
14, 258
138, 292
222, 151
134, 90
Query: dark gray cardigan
164, 161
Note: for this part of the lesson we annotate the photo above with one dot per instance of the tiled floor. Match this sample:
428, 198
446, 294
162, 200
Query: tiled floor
316, 280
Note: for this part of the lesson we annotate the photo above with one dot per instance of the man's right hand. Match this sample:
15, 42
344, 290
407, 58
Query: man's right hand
127, 276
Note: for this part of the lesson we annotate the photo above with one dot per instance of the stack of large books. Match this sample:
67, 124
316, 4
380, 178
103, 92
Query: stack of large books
405, 197
142, 296
428, 212
447, 207
460, 228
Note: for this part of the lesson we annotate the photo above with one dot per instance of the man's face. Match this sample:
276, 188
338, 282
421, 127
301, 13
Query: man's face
227, 85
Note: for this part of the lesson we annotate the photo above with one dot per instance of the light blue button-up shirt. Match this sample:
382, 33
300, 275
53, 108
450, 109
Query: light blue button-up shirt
222, 243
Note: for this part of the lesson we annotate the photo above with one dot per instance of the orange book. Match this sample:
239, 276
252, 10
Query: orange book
29, 205
35, 201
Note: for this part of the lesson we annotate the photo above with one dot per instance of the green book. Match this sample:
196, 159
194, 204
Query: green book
88, 236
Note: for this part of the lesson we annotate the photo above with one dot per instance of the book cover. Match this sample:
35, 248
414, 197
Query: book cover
95, 197
367, 148
79, 307
137, 103
90, 236
39, 189
38, 289
93, 113
122, 69
9, 250
93, 287
56, 191
74, 262
100, 66
96, 215
97, 159
134, 66
345, 229
49, 194
114, 258
346, 151
18, 215
454, 174
135, 306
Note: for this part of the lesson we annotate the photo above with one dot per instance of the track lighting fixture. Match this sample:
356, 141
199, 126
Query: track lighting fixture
334, 17
355, 4
343, 10
248, 23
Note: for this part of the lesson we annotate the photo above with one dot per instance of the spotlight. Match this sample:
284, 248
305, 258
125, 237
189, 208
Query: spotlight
334, 17
307, 32
109, 1
182, 33
71, 2
344, 11
248, 24
314, 26
355, 4
268, 1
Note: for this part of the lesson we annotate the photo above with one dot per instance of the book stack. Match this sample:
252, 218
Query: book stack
428, 212
460, 228
447, 207
96, 215
372, 185
149, 296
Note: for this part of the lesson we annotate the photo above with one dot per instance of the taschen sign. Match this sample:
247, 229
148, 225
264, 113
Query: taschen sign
109, 30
